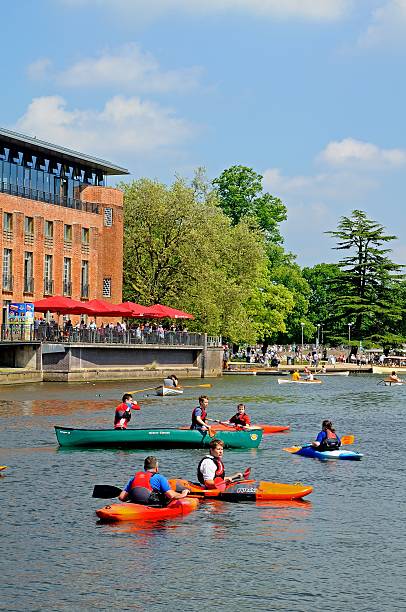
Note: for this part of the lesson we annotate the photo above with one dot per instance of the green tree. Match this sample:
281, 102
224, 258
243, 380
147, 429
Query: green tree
241, 195
187, 253
363, 294
321, 309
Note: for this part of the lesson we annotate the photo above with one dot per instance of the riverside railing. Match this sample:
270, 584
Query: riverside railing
54, 334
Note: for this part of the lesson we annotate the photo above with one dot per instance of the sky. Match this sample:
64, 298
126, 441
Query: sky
309, 93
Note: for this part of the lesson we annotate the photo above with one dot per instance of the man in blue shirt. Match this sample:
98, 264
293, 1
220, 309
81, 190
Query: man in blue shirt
149, 487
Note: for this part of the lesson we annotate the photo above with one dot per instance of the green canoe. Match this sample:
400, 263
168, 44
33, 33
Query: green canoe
153, 438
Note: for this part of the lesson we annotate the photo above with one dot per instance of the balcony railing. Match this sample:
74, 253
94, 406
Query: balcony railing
29, 285
67, 288
84, 291
8, 282
48, 286
50, 198
50, 332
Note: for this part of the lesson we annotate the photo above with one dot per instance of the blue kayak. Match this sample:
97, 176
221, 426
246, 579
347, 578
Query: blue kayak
310, 451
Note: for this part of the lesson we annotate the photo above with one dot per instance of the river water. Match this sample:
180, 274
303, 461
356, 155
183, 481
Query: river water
344, 548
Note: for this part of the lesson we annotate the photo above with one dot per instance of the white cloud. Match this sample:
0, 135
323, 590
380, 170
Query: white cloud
349, 152
325, 10
387, 27
124, 128
128, 68
39, 69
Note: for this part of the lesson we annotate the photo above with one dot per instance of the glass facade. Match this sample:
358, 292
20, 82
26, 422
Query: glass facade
46, 180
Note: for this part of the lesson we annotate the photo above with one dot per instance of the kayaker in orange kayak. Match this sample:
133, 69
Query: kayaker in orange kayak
122, 415
199, 415
149, 487
210, 470
240, 418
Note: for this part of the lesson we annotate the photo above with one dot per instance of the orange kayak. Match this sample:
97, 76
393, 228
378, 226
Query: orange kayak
267, 429
245, 490
135, 512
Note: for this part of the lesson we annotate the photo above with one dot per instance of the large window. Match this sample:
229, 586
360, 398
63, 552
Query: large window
29, 226
28, 272
48, 281
49, 229
67, 233
7, 270
85, 235
84, 285
8, 222
67, 276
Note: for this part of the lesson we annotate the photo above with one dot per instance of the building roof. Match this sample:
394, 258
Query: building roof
36, 146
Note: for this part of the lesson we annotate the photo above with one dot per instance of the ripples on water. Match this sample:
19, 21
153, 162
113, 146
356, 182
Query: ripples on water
344, 547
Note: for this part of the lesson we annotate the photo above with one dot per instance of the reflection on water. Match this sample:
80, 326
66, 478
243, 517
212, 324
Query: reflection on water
262, 556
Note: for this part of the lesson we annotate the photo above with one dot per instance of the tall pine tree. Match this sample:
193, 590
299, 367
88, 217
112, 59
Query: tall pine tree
364, 293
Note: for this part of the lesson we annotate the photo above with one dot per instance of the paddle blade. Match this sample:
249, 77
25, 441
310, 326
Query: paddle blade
106, 491
292, 449
246, 472
349, 439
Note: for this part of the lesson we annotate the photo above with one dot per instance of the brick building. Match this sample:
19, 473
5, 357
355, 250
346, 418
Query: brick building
61, 227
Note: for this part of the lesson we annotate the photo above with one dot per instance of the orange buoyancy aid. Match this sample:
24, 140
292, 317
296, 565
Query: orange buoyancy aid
331, 441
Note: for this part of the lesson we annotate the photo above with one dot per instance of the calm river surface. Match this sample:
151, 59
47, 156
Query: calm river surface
344, 548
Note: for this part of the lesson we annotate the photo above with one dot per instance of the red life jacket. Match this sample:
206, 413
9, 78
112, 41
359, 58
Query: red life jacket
141, 491
142, 479
122, 416
241, 419
220, 469
203, 416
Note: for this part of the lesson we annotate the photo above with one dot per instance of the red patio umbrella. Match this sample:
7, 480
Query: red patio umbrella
102, 308
61, 305
135, 309
159, 311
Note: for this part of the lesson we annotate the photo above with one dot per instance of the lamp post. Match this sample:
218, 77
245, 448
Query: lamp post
349, 333
322, 334
302, 324
318, 334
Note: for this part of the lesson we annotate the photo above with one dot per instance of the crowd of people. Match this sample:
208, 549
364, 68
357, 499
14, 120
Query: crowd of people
89, 330
295, 353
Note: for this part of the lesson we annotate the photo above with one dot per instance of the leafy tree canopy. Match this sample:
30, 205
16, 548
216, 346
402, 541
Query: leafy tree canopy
241, 195
187, 254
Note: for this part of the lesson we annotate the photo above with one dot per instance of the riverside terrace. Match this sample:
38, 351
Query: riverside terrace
50, 354
106, 334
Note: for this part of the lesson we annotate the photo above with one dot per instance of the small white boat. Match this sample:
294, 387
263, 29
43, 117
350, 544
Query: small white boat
340, 373
301, 381
393, 383
169, 390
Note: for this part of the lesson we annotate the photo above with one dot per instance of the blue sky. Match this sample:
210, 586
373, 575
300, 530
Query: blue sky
310, 93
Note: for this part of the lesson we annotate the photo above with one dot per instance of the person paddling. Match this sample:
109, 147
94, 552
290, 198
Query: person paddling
394, 377
211, 471
171, 381
149, 487
122, 415
295, 375
199, 415
240, 418
327, 439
